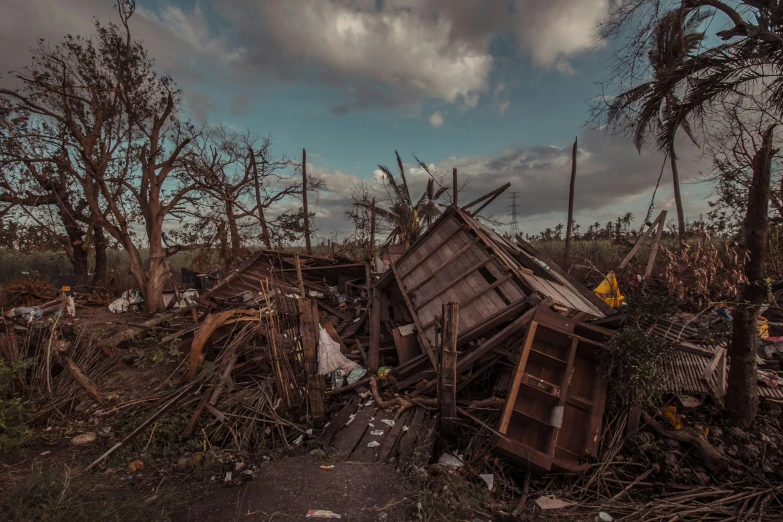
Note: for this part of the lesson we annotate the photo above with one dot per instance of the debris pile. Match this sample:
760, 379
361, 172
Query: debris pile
467, 345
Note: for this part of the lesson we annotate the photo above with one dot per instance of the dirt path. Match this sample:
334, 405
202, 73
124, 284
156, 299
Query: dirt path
286, 488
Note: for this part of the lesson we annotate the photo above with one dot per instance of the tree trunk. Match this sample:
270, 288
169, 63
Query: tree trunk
99, 278
261, 217
742, 395
677, 196
159, 273
569, 224
79, 255
236, 240
304, 203
80, 262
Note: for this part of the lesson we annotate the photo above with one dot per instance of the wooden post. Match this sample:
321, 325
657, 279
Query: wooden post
299, 276
456, 187
447, 382
569, 224
372, 229
375, 329
660, 220
316, 388
654, 251
304, 203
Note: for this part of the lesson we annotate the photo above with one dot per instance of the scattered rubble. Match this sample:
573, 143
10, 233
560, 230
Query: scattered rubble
466, 344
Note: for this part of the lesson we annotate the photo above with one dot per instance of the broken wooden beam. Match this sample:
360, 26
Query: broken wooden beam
447, 383
316, 387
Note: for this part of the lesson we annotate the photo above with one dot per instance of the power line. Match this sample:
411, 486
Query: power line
514, 222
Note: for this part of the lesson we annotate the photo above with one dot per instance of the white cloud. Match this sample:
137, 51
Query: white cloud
504, 106
398, 48
552, 31
436, 120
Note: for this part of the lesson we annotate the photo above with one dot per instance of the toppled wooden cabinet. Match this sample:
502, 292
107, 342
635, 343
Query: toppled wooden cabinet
552, 417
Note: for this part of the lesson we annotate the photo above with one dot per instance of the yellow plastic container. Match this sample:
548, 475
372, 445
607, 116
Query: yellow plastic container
609, 291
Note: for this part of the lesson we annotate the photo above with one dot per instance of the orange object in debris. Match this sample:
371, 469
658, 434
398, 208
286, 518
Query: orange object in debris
669, 414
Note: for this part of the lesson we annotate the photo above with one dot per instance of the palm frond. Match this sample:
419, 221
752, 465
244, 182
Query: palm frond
406, 189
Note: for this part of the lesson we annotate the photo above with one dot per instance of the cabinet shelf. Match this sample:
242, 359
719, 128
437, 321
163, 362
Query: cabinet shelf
548, 357
534, 419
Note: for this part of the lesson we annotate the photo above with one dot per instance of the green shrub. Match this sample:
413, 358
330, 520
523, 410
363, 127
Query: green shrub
633, 365
14, 431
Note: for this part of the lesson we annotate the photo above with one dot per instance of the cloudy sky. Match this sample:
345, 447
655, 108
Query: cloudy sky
497, 88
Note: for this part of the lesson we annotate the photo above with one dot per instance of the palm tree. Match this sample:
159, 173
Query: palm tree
407, 219
673, 42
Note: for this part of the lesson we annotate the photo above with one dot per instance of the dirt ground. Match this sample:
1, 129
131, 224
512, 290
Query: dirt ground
286, 489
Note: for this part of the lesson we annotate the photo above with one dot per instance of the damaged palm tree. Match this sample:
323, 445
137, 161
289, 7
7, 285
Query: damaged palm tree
404, 218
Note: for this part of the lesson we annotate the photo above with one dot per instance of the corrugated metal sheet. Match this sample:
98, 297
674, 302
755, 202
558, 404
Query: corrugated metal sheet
682, 371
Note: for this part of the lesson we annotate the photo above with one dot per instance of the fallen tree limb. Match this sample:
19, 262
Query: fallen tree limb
714, 459
130, 333
143, 426
61, 353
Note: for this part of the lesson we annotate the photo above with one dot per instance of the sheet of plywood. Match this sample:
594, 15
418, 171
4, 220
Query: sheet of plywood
407, 345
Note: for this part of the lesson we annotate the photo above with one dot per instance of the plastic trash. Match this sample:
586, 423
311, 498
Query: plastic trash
321, 513
450, 461
552, 502
609, 291
489, 478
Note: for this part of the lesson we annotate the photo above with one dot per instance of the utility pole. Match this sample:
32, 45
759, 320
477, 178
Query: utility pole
514, 222
304, 203
570, 223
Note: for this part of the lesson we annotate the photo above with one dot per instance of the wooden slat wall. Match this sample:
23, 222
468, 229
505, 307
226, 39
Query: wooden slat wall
561, 293
469, 285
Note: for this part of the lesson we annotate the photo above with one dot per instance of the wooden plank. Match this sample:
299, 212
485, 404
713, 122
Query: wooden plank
564, 384
407, 346
459, 292
456, 271
566, 277
447, 384
375, 329
490, 200
492, 194
641, 241
349, 437
467, 361
654, 247
425, 343
477, 296
338, 421
408, 443
476, 280
429, 251
363, 451
506, 314
422, 453
299, 278
443, 265
517, 380
391, 441
316, 387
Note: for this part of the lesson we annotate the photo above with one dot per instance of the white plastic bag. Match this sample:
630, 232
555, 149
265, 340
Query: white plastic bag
329, 356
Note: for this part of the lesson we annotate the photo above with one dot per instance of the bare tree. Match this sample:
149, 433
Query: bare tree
240, 179
122, 138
